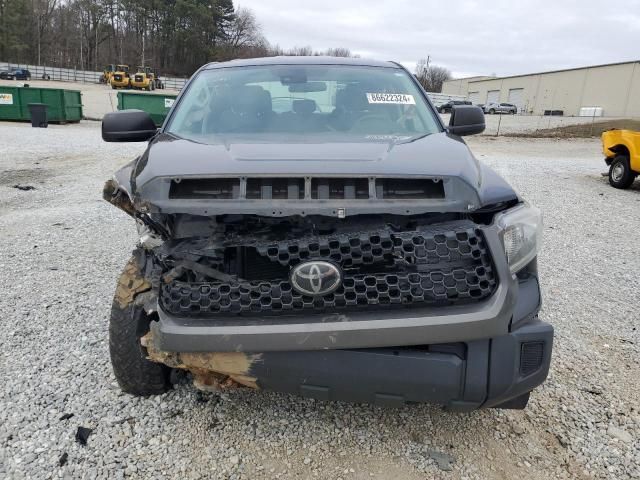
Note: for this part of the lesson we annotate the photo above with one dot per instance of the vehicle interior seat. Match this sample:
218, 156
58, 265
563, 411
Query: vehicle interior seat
354, 113
247, 108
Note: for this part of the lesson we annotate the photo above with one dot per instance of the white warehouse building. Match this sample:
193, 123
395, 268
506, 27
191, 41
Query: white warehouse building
612, 89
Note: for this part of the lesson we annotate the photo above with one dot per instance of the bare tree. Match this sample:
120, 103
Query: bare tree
431, 77
275, 50
300, 51
244, 32
339, 52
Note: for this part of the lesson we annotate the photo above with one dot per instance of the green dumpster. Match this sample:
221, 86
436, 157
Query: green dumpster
63, 105
157, 106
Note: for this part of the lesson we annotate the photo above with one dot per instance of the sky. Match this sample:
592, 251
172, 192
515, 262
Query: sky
490, 37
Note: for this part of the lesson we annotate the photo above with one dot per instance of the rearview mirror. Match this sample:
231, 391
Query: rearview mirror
308, 87
466, 120
128, 126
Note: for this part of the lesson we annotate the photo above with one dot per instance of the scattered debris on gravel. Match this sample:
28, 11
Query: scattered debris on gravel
63, 248
82, 435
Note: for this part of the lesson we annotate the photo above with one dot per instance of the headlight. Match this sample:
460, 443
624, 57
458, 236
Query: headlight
521, 235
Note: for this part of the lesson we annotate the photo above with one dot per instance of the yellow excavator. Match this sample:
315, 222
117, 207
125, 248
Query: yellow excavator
146, 78
107, 73
120, 77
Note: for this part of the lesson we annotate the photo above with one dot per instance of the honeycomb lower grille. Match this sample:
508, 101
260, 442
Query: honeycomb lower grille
437, 265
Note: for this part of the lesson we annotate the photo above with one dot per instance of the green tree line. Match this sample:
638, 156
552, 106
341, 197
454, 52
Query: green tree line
175, 36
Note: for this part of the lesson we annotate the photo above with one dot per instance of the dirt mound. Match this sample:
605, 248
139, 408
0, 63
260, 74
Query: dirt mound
584, 130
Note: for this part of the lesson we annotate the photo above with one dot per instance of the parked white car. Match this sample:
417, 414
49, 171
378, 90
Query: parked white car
494, 107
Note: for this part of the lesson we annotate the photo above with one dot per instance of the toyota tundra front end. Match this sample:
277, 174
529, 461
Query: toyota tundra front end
309, 225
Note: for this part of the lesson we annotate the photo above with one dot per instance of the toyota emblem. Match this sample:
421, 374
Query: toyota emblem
315, 278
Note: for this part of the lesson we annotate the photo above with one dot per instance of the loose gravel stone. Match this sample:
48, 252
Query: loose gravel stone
62, 248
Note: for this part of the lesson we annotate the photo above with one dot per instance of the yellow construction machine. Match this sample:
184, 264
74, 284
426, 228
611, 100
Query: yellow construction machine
146, 78
107, 73
621, 150
120, 77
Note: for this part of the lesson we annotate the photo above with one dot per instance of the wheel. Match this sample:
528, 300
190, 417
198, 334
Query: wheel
620, 173
492, 111
128, 324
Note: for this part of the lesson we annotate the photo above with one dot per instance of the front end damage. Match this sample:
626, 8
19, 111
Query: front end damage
422, 298
210, 370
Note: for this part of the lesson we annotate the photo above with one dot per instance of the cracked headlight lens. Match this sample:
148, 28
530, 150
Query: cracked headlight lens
521, 235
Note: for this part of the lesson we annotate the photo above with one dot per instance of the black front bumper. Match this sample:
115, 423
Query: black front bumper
465, 376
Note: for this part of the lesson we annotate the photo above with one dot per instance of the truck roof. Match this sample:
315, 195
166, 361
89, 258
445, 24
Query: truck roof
301, 60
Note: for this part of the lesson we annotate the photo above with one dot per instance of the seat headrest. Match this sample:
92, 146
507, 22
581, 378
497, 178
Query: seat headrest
352, 98
304, 106
251, 99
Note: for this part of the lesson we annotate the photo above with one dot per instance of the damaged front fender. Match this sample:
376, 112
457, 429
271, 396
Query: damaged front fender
117, 190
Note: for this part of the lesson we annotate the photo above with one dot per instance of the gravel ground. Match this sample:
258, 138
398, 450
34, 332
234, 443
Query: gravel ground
62, 248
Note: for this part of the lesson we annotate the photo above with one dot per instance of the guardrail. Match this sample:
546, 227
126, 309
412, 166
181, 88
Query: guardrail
40, 72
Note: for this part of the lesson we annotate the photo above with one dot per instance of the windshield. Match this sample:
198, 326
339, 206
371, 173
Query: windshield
308, 100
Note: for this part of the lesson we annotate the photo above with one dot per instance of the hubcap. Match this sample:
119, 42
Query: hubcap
617, 172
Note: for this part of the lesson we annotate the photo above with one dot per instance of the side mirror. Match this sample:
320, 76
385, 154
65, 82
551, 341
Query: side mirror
128, 126
466, 120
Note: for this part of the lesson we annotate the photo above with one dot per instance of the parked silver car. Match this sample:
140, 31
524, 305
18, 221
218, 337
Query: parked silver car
494, 107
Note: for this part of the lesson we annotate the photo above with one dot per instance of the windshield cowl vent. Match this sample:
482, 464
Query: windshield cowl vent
307, 188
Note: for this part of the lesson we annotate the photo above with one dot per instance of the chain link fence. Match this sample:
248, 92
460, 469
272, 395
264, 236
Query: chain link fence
79, 76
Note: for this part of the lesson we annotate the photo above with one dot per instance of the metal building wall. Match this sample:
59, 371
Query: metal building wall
615, 88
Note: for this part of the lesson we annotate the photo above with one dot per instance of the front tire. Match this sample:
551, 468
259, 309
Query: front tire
620, 173
492, 112
128, 324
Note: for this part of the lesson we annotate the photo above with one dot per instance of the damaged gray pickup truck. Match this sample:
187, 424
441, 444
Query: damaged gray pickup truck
309, 225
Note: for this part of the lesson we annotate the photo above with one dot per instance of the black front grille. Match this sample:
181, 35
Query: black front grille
436, 265
219, 188
313, 188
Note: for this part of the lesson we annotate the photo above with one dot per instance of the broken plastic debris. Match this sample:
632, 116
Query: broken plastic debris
82, 434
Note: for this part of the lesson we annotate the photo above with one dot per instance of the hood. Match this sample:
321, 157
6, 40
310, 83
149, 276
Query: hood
440, 156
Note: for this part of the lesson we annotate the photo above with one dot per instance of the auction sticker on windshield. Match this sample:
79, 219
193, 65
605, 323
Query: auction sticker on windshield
396, 98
